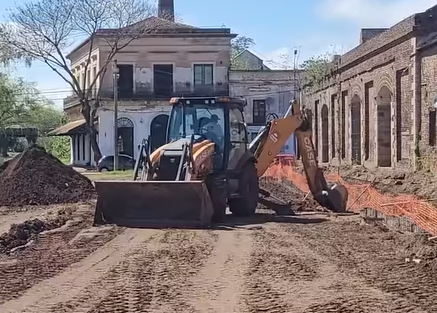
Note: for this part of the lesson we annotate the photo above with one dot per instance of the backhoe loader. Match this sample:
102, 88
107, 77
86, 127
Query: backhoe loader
208, 165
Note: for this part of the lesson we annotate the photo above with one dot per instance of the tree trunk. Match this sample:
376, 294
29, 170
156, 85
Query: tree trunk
95, 145
89, 119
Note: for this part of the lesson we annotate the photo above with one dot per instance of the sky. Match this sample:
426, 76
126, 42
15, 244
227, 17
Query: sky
278, 27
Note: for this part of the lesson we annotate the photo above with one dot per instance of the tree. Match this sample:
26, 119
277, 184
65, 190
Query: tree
315, 70
239, 44
12, 105
22, 105
46, 29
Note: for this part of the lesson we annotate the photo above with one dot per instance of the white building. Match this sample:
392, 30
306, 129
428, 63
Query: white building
176, 60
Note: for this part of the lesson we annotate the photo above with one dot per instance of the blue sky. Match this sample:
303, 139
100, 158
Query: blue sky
277, 26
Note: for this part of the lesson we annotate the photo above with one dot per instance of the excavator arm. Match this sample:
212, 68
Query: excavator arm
272, 137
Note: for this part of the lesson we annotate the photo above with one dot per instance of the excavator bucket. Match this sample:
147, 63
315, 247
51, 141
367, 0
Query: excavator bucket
154, 204
337, 198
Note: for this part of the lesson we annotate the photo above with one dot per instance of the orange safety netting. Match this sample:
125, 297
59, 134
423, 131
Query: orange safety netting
362, 196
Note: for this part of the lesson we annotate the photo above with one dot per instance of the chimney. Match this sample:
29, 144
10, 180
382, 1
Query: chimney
166, 9
369, 33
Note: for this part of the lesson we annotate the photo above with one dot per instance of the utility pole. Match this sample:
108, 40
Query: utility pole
115, 76
295, 87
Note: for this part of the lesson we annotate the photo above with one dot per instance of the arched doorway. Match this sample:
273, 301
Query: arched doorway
384, 100
158, 131
125, 136
325, 135
356, 129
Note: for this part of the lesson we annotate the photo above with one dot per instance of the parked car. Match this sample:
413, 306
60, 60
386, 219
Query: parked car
125, 162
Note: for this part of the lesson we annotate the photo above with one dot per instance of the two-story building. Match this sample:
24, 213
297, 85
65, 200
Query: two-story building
175, 60
268, 92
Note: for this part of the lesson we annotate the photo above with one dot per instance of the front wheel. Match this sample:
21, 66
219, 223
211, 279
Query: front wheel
248, 186
217, 189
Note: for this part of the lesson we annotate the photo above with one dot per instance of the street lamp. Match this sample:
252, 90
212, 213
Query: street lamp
115, 77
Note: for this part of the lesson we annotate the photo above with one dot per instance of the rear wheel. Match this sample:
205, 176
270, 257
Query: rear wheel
248, 185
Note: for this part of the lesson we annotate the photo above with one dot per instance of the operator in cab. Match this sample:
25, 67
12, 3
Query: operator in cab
214, 127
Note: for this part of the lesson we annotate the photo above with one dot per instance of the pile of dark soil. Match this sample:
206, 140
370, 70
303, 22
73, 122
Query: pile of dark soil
36, 177
21, 234
288, 192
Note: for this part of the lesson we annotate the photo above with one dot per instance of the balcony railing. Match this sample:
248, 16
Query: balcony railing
144, 93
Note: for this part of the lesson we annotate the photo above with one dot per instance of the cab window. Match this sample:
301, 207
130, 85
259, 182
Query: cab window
237, 137
198, 120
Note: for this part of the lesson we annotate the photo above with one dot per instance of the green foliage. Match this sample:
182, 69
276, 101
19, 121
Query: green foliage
12, 104
58, 146
315, 70
22, 105
239, 44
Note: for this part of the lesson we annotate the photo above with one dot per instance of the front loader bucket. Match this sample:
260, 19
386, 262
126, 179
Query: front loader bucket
162, 204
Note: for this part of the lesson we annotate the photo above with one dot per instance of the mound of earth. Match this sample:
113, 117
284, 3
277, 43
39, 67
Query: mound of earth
36, 177
21, 234
288, 192
388, 181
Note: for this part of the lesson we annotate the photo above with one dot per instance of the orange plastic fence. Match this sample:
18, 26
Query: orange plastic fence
364, 196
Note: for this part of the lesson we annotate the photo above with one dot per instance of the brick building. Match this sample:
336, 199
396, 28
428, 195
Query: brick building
377, 106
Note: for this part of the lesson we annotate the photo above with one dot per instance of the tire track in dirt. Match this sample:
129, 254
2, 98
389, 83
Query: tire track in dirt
289, 276
218, 286
70, 283
150, 278
366, 276
271, 271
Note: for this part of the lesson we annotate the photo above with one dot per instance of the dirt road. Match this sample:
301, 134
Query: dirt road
309, 263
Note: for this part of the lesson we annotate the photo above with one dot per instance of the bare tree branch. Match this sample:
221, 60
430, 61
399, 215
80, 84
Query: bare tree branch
45, 30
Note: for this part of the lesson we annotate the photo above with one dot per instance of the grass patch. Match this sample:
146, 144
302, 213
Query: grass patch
117, 175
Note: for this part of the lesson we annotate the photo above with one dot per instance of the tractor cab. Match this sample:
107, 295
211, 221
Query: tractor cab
217, 119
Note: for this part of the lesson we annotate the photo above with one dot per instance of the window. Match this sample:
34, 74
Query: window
125, 80
94, 77
83, 147
203, 75
196, 122
238, 137
259, 112
432, 128
163, 80
237, 128
88, 79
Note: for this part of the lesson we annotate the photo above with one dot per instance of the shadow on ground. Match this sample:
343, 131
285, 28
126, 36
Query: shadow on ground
232, 222
229, 223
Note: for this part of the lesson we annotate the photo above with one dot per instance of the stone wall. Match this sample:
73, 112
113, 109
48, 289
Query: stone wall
371, 109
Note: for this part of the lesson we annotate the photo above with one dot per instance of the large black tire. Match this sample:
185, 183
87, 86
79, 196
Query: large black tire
248, 188
217, 189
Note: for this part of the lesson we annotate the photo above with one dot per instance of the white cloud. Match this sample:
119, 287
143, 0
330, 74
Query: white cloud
283, 58
360, 13
372, 13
